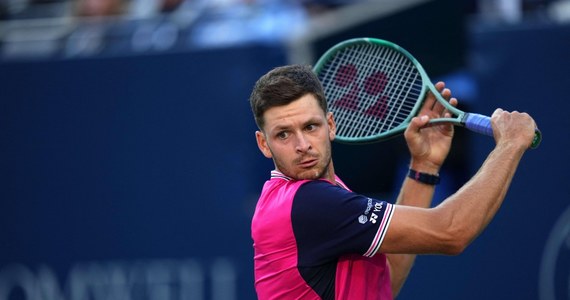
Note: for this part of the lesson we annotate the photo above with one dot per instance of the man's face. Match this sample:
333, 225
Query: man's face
298, 136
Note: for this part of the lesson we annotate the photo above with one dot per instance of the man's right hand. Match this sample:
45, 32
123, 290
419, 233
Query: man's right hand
513, 128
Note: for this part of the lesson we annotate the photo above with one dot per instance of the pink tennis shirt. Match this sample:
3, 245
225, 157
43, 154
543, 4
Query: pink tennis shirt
313, 239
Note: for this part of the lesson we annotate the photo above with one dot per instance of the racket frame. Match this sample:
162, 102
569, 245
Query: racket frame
426, 86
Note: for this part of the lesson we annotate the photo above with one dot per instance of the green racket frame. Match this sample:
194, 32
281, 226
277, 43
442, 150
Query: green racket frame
475, 122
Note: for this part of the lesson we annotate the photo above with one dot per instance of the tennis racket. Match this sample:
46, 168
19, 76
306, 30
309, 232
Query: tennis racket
374, 88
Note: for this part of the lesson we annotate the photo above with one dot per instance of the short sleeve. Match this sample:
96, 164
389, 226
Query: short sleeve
329, 221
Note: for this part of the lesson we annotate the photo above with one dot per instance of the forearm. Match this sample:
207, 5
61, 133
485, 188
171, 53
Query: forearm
415, 193
461, 217
470, 210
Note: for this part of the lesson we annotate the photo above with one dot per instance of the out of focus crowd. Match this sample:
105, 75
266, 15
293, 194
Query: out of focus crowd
27, 9
71, 28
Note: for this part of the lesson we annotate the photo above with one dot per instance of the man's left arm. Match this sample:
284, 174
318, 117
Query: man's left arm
412, 193
429, 148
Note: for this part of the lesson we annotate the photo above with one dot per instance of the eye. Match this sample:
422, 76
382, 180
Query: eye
311, 127
282, 135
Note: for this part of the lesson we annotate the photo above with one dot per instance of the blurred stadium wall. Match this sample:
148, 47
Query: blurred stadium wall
128, 164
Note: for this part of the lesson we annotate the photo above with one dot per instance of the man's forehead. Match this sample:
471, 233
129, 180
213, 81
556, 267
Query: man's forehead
304, 106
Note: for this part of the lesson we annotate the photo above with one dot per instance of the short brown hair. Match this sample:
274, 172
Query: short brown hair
282, 86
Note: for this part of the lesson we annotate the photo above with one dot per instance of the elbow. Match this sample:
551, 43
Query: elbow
454, 248
455, 238
453, 245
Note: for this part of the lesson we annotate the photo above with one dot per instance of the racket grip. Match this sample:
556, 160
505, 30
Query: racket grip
478, 123
482, 124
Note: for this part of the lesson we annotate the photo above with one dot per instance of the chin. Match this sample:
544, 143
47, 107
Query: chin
310, 175
306, 177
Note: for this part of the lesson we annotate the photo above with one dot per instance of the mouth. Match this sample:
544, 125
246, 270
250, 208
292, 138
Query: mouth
308, 163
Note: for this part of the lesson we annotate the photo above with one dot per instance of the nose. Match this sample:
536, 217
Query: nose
303, 144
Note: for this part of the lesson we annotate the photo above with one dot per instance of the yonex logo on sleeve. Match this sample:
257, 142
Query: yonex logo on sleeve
362, 219
373, 218
378, 206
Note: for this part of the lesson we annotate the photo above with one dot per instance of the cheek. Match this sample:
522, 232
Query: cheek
278, 151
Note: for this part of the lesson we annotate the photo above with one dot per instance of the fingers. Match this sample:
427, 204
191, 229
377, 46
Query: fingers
430, 100
513, 126
433, 106
440, 85
453, 101
497, 112
417, 123
438, 108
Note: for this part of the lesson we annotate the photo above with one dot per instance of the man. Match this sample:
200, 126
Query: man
316, 239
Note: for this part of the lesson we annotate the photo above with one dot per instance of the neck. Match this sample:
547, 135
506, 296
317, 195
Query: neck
329, 173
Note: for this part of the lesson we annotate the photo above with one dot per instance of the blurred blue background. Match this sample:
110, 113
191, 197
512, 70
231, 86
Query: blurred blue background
128, 163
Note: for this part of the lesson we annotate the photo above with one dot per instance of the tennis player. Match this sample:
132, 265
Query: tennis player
314, 238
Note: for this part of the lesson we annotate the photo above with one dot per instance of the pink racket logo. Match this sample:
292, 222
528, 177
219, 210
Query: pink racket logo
373, 85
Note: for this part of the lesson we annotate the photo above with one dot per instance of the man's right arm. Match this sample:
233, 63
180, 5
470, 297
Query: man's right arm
452, 225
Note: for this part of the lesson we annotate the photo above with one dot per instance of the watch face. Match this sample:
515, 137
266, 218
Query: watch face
554, 277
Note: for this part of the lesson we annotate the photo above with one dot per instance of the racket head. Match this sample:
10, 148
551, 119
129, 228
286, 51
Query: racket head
373, 88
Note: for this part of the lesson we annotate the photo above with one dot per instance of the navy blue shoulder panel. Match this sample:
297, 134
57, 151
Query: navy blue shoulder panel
328, 222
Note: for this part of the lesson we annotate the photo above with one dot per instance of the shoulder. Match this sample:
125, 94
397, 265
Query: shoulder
321, 187
322, 197
321, 190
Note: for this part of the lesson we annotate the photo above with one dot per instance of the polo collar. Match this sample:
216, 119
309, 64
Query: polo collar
278, 175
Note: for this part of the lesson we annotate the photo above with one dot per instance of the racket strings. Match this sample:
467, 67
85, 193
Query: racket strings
367, 125
391, 93
370, 89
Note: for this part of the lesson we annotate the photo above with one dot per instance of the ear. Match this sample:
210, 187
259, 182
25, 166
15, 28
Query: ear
262, 144
332, 126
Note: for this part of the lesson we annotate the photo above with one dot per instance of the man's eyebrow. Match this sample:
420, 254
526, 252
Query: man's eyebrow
279, 127
313, 120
